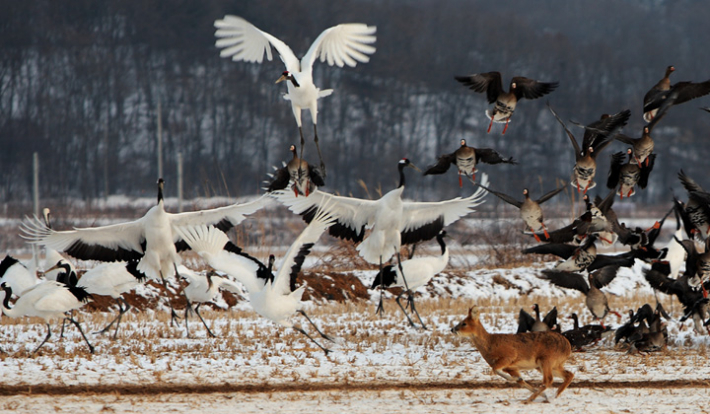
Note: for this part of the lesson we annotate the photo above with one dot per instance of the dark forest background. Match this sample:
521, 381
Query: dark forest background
80, 83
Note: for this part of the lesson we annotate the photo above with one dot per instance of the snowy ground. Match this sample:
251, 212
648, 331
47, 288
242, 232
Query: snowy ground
376, 363
503, 401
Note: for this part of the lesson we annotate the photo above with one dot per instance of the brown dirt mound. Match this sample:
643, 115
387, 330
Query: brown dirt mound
326, 286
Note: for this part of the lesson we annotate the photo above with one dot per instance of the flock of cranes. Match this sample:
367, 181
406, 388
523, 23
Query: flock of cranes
149, 248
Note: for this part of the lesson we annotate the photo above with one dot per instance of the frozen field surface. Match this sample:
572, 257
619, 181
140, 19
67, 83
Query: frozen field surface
502, 401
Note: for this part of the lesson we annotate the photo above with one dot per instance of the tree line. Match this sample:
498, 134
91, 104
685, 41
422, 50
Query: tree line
81, 83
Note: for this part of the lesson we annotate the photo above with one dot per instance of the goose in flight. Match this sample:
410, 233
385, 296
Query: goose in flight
344, 44
465, 159
505, 102
664, 95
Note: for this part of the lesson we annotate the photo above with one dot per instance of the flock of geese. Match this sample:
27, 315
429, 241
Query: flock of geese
149, 248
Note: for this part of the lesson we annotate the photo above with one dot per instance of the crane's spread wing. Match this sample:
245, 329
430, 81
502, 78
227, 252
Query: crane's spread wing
352, 214
224, 218
241, 40
344, 44
221, 254
117, 242
424, 220
284, 282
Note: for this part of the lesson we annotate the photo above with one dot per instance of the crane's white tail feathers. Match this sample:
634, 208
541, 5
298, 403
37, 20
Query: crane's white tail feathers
373, 247
325, 92
241, 40
203, 239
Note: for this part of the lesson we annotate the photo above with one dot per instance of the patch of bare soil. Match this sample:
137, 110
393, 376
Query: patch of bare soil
154, 389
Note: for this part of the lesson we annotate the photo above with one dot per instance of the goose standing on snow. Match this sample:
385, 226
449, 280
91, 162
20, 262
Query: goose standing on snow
274, 297
394, 222
465, 159
505, 102
418, 271
151, 240
47, 300
344, 44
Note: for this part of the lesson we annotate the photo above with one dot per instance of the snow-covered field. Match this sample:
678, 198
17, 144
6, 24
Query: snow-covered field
376, 363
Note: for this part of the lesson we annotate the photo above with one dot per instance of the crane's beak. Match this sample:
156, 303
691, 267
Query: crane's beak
281, 79
56, 266
414, 166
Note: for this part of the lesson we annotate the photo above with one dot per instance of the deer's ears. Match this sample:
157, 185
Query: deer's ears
473, 312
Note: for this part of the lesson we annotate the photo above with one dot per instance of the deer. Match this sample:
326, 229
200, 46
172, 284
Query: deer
508, 354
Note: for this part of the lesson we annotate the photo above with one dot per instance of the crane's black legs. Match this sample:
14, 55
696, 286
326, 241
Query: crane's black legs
380, 308
188, 308
197, 311
324, 336
303, 144
72, 320
49, 334
173, 316
320, 156
410, 296
117, 319
46, 338
410, 303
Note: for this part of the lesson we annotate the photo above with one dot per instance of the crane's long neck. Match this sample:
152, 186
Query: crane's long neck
442, 243
400, 167
6, 303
